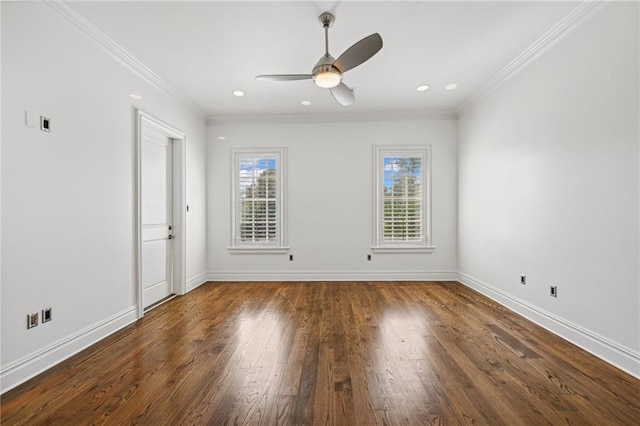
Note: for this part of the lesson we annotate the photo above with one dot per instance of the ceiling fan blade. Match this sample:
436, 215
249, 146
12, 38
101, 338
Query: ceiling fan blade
359, 53
284, 77
343, 94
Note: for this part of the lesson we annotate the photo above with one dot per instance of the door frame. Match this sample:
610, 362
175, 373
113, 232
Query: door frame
179, 206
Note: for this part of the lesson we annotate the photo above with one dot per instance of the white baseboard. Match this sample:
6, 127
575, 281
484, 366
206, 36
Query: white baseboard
196, 281
619, 356
624, 358
333, 276
33, 364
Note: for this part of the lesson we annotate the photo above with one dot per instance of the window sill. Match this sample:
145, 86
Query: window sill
405, 249
258, 250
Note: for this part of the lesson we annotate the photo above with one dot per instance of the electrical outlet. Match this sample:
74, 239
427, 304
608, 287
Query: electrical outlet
46, 315
553, 291
45, 124
32, 320
523, 279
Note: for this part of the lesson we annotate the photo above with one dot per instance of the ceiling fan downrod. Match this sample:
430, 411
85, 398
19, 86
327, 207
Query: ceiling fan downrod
326, 20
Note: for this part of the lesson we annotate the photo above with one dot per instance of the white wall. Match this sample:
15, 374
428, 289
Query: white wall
549, 187
1, 97
548, 171
68, 196
330, 200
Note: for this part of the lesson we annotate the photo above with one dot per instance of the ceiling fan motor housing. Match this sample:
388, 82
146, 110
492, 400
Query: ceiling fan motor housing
325, 74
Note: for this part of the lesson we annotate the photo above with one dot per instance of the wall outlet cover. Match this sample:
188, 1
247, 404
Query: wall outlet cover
45, 124
32, 320
46, 315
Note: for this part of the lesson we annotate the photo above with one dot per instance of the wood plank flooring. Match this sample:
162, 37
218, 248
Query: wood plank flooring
352, 353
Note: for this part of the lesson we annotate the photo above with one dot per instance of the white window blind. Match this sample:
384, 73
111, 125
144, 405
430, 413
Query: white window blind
402, 198
402, 210
257, 199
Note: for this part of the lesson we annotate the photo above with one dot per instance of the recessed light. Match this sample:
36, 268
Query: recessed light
135, 97
422, 88
450, 86
221, 138
238, 93
305, 103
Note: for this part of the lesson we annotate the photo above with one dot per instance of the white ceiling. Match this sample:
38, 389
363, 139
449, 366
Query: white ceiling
205, 50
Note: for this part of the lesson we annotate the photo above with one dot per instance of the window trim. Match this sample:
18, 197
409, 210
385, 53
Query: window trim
379, 244
280, 245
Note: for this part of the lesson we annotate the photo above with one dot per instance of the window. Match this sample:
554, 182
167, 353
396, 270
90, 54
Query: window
402, 199
257, 200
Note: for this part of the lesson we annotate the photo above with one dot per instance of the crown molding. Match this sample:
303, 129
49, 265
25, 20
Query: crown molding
578, 15
348, 117
570, 22
116, 51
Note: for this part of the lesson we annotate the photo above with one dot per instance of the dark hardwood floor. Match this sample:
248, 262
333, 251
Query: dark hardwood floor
333, 354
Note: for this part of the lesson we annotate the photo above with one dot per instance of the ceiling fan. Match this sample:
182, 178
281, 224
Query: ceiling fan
327, 73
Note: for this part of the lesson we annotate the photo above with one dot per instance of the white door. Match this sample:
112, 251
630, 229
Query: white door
156, 206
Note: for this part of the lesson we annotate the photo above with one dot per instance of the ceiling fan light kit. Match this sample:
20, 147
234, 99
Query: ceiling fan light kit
327, 72
325, 75
327, 79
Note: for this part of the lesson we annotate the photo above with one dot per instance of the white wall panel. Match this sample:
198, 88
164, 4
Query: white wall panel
548, 181
68, 196
330, 183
